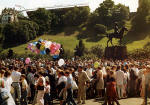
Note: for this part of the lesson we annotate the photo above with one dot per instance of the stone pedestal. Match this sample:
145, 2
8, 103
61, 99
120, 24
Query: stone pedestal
116, 52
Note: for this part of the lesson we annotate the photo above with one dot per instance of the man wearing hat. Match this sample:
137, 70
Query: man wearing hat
82, 79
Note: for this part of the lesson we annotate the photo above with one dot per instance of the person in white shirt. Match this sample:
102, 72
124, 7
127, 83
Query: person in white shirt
24, 88
8, 82
16, 83
41, 83
61, 84
62, 78
119, 80
89, 71
47, 96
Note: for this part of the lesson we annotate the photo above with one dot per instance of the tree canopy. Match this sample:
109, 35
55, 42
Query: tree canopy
76, 16
108, 13
141, 21
43, 18
18, 33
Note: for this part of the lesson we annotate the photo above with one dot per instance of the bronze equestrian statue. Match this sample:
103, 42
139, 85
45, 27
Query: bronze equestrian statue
117, 34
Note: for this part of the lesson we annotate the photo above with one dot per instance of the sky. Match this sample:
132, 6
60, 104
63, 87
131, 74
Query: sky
32, 4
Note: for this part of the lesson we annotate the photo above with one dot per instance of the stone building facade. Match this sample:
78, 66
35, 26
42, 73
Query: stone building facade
9, 15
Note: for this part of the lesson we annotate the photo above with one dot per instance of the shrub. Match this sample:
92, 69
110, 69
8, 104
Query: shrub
90, 56
147, 45
140, 54
97, 50
100, 29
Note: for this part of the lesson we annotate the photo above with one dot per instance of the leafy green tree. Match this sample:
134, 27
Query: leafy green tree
76, 16
57, 22
120, 13
1, 29
32, 28
105, 12
100, 29
97, 50
108, 13
10, 32
18, 33
1, 36
93, 19
141, 20
43, 18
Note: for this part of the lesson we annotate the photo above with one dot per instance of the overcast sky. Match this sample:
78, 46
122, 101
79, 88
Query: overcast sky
31, 4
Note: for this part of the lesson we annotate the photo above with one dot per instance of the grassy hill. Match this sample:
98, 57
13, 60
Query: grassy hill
70, 41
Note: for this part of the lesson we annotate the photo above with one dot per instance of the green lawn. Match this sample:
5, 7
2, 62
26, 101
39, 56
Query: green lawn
70, 41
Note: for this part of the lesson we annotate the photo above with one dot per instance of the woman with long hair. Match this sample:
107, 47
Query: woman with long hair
40, 88
9, 88
100, 82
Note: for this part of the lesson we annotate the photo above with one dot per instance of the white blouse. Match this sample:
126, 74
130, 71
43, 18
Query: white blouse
8, 82
62, 79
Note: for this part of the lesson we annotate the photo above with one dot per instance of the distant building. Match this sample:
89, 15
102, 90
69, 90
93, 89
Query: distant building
9, 15
59, 10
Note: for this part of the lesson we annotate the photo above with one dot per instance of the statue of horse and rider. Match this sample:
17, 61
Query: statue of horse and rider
117, 34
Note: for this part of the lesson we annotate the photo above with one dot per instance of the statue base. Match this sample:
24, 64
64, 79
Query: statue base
116, 52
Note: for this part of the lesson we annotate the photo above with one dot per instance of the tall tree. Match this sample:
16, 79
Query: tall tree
120, 13
76, 16
18, 33
141, 23
43, 18
108, 13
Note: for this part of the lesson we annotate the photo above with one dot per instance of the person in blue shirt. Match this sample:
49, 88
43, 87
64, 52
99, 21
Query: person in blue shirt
69, 100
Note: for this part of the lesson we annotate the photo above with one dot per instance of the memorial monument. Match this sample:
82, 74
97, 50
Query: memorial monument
119, 51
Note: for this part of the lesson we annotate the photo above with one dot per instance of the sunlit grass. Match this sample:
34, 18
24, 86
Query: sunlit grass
70, 42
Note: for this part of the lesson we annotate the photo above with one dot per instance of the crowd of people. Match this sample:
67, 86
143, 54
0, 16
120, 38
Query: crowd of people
42, 81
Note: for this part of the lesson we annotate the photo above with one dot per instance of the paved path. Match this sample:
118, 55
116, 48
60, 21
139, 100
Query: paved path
128, 101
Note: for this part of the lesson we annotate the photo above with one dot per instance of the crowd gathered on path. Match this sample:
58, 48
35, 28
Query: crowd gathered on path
42, 81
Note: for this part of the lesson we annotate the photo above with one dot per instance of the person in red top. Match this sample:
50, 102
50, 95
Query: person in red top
111, 90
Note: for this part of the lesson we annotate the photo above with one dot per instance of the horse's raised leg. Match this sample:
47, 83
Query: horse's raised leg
108, 42
111, 42
120, 41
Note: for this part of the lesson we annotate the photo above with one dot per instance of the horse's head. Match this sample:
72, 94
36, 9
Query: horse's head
124, 28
